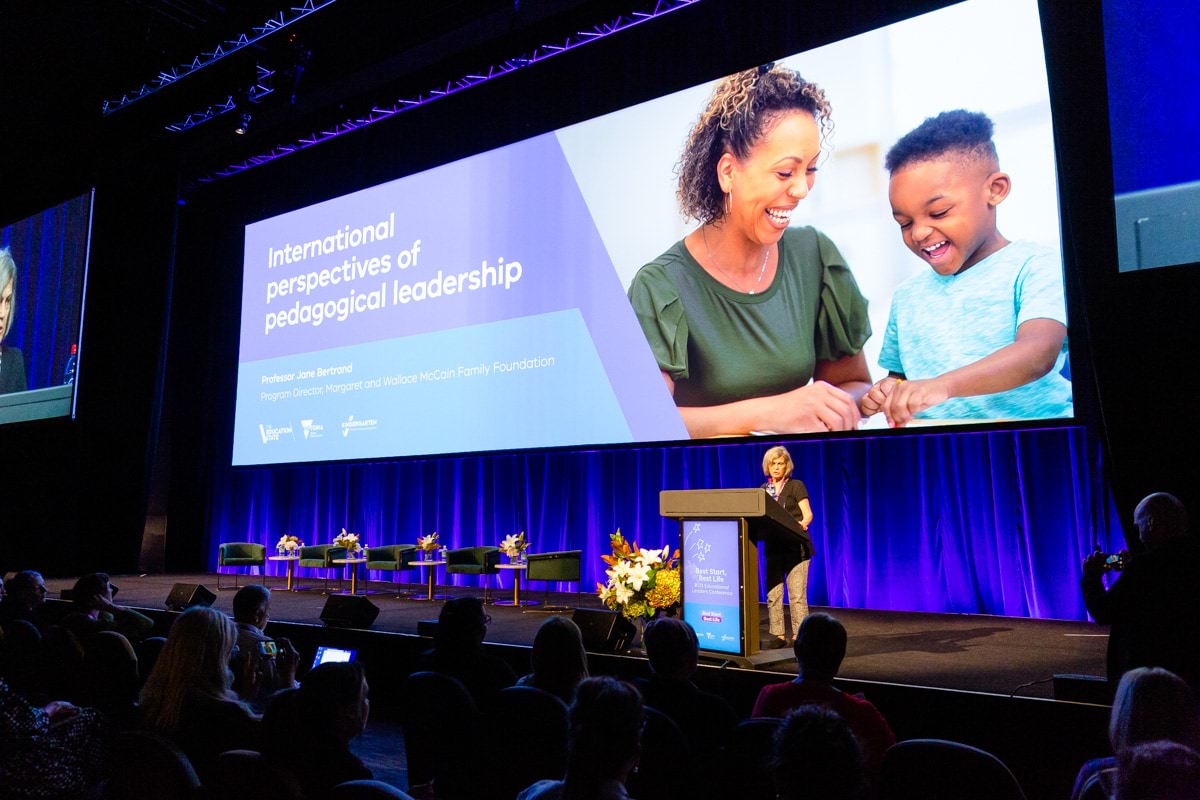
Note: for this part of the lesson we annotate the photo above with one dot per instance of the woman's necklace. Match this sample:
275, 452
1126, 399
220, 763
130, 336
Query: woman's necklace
762, 270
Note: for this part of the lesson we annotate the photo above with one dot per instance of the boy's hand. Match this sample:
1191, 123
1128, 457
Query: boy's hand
872, 401
909, 397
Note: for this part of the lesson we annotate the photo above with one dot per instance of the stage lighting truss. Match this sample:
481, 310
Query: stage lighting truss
257, 34
264, 84
380, 113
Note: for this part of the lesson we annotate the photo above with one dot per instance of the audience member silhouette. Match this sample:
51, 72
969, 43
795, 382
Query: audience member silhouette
251, 611
1153, 607
558, 659
674, 654
50, 751
1158, 771
818, 756
188, 696
605, 744
96, 611
24, 596
1150, 704
111, 681
458, 651
820, 647
308, 731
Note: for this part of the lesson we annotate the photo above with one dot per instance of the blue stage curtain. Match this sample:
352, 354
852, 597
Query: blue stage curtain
981, 523
50, 250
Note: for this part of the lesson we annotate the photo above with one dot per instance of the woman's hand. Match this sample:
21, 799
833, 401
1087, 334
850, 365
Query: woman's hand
820, 406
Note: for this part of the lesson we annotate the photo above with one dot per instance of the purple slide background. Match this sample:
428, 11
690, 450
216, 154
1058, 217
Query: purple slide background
519, 203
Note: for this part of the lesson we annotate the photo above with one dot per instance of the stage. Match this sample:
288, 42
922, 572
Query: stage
966, 652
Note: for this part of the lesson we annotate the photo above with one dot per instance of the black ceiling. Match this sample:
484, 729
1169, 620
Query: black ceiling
61, 59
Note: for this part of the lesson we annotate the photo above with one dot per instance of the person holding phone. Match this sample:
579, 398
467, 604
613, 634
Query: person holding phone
273, 662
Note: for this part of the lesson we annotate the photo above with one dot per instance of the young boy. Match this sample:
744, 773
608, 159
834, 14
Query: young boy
982, 335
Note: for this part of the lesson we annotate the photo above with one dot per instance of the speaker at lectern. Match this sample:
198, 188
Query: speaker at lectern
719, 530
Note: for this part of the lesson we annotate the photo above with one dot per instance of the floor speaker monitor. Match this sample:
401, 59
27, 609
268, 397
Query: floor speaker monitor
603, 631
349, 611
186, 595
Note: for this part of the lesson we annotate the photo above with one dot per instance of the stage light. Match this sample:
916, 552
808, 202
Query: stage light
243, 124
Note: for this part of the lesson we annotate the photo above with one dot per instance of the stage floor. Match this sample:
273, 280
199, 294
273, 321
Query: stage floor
1001, 655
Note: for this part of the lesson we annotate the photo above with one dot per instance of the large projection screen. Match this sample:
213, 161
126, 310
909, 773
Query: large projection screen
482, 305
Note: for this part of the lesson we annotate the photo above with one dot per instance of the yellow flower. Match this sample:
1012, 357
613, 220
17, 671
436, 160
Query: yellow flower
666, 589
635, 608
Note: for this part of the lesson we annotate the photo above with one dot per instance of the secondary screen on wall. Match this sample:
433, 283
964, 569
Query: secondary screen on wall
43, 269
1154, 116
484, 305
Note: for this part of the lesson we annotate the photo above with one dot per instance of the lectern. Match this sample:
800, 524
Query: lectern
719, 530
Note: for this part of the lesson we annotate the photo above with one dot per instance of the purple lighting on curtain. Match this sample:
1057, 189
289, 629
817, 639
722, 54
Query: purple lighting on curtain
983, 523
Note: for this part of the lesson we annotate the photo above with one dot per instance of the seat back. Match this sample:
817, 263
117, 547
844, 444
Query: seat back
241, 554
665, 768
390, 557
561, 566
473, 561
922, 768
1100, 785
538, 720
320, 555
246, 775
141, 760
368, 790
748, 758
441, 723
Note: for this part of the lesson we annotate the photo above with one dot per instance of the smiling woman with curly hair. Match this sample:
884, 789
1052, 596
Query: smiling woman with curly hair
756, 325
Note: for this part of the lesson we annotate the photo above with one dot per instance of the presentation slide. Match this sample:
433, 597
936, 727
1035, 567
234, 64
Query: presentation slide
712, 597
489, 304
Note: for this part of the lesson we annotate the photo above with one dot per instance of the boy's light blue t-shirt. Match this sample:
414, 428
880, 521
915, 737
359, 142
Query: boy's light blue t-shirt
939, 323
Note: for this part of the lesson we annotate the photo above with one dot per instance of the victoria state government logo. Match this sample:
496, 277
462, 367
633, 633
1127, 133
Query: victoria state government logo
312, 430
352, 425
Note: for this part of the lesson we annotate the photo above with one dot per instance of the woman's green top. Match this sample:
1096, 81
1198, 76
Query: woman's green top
720, 345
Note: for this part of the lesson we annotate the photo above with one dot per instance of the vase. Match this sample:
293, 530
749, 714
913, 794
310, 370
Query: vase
639, 626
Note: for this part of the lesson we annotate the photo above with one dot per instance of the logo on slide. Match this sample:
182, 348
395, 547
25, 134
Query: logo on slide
271, 433
715, 617
312, 430
699, 549
352, 425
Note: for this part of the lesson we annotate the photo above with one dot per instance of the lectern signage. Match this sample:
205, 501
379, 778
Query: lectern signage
712, 596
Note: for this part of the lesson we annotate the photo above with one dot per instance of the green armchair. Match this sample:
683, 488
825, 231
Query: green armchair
321, 556
474, 561
393, 558
564, 566
240, 554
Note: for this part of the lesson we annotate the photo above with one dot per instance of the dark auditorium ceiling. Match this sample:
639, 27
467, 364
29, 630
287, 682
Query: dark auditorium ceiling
61, 59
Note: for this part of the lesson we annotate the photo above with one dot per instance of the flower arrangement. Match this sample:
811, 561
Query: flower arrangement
289, 545
348, 541
640, 582
428, 543
514, 545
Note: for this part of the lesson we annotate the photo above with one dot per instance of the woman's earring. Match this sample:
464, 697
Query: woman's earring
729, 202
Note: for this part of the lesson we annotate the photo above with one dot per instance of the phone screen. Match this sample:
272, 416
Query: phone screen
327, 655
